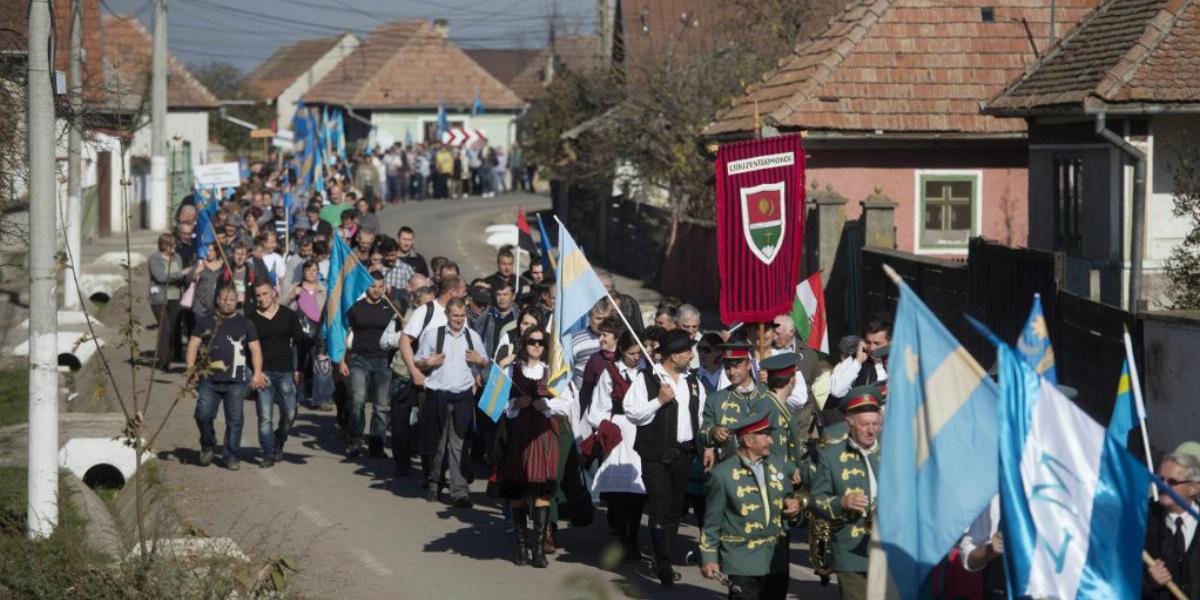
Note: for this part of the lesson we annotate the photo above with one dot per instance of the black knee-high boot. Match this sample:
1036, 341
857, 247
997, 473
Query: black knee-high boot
541, 526
521, 530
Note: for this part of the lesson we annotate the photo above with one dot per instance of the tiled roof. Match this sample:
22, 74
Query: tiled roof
577, 53
1142, 51
909, 66
274, 75
127, 57
505, 64
410, 64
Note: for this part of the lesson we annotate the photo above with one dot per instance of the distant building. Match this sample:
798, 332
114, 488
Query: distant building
397, 79
889, 98
1130, 67
527, 72
292, 70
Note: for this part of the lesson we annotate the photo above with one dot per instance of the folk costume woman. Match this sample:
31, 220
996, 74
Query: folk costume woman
528, 472
618, 481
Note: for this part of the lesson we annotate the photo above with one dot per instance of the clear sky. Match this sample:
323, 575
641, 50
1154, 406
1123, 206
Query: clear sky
245, 32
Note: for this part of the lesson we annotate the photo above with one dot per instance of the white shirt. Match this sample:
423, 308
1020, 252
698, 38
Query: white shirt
846, 372
455, 374
413, 328
640, 409
1189, 526
980, 533
277, 266
534, 372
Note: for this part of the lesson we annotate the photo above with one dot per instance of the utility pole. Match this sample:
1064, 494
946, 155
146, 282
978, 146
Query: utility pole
43, 319
74, 149
158, 121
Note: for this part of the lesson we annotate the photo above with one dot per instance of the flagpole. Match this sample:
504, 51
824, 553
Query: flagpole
1175, 591
385, 296
517, 269
1136, 384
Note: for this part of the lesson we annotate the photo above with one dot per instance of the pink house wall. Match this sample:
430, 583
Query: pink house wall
855, 173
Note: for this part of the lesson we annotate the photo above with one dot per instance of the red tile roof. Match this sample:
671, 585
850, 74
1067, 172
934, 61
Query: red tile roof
285, 65
909, 66
127, 56
505, 64
578, 54
410, 64
1127, 51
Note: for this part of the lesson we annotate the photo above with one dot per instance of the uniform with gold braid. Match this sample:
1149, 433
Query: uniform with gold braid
745, 530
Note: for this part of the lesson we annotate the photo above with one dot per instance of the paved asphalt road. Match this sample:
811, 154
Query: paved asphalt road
357, 532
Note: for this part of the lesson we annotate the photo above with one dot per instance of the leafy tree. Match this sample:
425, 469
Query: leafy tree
227, 82
1183, 266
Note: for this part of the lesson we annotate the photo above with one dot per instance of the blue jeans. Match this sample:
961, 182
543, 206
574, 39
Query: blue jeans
281, 390
212, 394
369, 379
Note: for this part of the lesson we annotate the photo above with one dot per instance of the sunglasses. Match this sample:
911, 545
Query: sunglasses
1175, 482
535, 342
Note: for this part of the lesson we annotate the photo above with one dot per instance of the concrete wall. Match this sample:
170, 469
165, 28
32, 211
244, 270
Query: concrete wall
499, 127
1170, 378
188, 125
285, 104
855, 173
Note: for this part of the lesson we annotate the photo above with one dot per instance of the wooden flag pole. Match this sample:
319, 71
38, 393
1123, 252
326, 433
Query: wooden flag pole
1136, 384
762, 327
399, 314
1175, 591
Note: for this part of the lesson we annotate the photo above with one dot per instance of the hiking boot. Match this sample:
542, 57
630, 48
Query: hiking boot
233, 465
355, 450
266, 463
206, 457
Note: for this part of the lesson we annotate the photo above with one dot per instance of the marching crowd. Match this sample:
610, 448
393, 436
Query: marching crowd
750, 432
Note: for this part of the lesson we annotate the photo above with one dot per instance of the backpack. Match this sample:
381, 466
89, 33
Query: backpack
441, 339
399, 367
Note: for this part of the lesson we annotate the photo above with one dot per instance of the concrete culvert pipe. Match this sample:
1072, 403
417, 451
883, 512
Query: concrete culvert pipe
100, 297
104, 475
70, 361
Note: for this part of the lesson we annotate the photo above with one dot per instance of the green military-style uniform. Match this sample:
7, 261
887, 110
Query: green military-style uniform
730, 405
843, 469
726, 407
745, 531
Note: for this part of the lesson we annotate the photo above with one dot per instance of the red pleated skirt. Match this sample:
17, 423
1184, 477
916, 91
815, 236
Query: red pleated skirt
532, 454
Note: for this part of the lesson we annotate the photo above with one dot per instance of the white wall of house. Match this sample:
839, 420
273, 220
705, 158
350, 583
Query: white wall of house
1169, 139
498, 127
285, 104
187, 125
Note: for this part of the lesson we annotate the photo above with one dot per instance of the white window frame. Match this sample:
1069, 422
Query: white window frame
919, 208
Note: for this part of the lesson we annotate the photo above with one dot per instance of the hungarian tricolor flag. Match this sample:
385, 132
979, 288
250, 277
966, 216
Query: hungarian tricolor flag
524, 234
808, 312
760, 226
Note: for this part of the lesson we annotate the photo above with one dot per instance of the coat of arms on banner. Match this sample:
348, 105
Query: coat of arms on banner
764, 219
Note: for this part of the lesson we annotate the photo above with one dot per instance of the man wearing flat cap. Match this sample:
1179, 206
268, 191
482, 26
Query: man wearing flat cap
730, 404
665, 404
845, 489
748, 512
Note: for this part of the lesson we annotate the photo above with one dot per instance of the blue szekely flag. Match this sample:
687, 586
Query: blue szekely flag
1126, 413
494, 398
939, 438
348, 281
1034, 343
443, 123
1072, 500
203, 234
578, 289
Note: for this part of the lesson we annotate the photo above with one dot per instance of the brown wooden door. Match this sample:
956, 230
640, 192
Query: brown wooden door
104, 192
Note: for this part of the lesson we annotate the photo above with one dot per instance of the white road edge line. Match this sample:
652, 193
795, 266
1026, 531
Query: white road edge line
372, 563
315, 516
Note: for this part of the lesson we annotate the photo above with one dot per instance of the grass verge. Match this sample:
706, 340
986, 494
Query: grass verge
14, 397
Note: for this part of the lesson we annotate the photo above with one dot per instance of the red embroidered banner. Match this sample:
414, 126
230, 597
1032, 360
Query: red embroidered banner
760, 226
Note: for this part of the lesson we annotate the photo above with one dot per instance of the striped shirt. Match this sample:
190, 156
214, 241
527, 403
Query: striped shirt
583, 345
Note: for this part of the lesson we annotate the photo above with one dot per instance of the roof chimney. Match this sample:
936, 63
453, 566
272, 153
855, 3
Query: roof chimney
442, 27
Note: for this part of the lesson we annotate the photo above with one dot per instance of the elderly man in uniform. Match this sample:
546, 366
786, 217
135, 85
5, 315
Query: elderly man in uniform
845, 489
749, 509
729, 404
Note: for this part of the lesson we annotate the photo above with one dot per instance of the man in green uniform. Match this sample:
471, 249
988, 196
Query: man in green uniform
781, 380
749, 509
845, 489
730, 404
